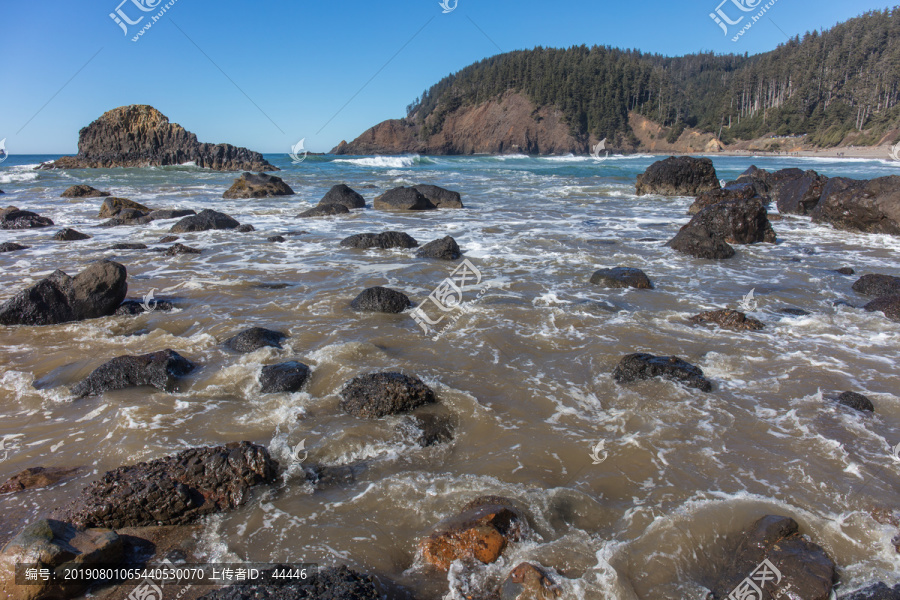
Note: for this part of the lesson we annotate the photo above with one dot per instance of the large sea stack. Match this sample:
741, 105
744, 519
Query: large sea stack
141, 136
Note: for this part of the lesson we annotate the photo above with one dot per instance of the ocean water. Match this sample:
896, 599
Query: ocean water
525, 372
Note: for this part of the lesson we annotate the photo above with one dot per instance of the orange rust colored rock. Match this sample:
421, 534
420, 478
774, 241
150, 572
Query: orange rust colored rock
483, 543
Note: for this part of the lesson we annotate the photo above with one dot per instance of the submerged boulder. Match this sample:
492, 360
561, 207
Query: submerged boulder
112, 207
622, 277
12, 247
161, 370
325, 210
70, 235
381, 299
403, 198
255, 338
284, 377
728, 319
206, 220
889, 305
259, 185
877, 285
386, 240
440, 197
13, 218
343, 195
380, 394
701, 243
640, 366
529, 582
83, 191
34, 478
678, 176
175, 490
480, 532
795, 567
95, 292
856, 401
445, 248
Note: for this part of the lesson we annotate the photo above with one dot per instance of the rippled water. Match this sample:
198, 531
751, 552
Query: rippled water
526, 373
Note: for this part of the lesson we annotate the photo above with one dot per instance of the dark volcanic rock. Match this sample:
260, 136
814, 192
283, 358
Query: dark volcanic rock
134, 307
795, 191
388, 239
678, 176
845, 271
639, 366
889, 305
160, 215
325, 210
381, 394
53, 544
445, 248
284, 377
12, 247
35, 478
277, 239
875, 591
168, 239
158, 369
128, 246
857, 401
206, 220
734, 191
13, 218
177, 249
255, 338
728, 319
95, 292
480, 532
735, 221
877, 285
246, 228
869, 206
70, 235
380, 299
435, 429
141, 136
344, 196
701, 243
175, 490
806, 570
403, 198
259, 185
113, 207
83, 191
440, 197
333, 583
795, 312
622, 277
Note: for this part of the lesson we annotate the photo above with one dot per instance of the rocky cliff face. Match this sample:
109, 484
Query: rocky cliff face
508, 125
141, 136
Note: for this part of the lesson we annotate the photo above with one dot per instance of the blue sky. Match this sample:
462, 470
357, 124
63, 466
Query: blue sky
266, 74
